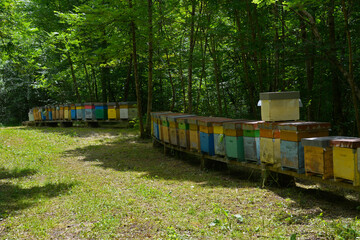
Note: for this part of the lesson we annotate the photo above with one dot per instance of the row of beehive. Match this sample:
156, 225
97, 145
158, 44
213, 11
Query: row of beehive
293, 145
84, 111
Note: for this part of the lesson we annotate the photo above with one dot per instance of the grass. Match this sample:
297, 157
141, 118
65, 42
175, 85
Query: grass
79, 183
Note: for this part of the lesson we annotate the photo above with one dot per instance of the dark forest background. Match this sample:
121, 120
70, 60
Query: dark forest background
206, 57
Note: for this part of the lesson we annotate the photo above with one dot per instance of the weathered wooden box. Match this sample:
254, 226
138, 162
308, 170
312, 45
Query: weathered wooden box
194, 133
165, 126
57, 111
318, 156
251, 138
61, 112
270, 143
279, 106
36, 113
184, 132
173, 127
156, 122
345, 159
219, 136
53, 112
291, 133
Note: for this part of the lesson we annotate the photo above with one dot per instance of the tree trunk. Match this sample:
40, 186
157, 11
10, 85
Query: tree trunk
217, 74
136, 75
74, 78
249, 83
128, 79
95, 83
336, 90
89, 83
351, 67
192, 45
171, 81
203, 72
150, 71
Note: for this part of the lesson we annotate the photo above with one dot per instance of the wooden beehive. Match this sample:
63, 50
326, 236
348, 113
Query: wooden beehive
234, 142
80, 110
31, 115
345, 159
128, 110
155, 118
279, 106
89, 111
251, 138
173, 127
53, 112
57, 109
270, 143
291, 133
61, 112
113, 113
194, 133
318, 156
165, 126
101, 111
206, 129
219, 136
73, 111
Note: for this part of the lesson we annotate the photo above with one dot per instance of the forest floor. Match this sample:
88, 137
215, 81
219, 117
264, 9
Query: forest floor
81, 183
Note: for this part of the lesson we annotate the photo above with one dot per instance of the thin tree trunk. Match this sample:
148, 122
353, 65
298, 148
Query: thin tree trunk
351, 67
192, 45
249, 83
203, 71
171, 81
182, 81
136, 75
74, 77
95, 83
89, 83
336, 90
217, 74
150, 72
128, 79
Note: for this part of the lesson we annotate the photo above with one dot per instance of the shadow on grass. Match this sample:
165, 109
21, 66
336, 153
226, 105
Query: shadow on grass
14, 198
16, 173
132, 154
82, 132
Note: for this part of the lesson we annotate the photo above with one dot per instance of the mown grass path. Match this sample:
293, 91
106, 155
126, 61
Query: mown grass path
80, 183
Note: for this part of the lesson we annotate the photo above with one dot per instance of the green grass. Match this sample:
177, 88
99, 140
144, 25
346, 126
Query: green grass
80, 183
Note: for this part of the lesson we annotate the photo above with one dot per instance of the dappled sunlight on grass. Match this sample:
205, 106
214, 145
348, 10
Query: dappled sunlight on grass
81, 183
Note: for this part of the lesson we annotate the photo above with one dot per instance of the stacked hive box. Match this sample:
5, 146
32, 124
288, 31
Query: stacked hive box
100, 111
73, 111
89, 111
276, 107
173, 127
194, 133
183, 132
113, 111
53, 112
206, 133
280, 106
155, 119
318, 156
57, 109
251, 136
67, 113
165, 126
345, 159
291, 133
219, 137
270, 143
128, 110
234, 141
61, 112
31, 115
80, 111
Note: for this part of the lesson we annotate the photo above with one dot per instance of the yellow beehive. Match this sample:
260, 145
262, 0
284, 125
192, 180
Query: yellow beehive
280, 106
345, 159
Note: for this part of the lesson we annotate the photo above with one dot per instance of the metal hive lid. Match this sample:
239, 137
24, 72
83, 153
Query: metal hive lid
279, 95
